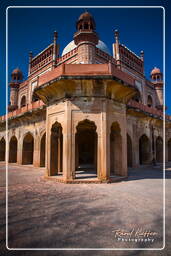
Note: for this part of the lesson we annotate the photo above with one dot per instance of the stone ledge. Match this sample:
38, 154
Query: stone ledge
85, 181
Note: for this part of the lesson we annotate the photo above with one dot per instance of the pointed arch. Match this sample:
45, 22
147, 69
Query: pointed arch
2, 149
115, 149
129, 151
23, 101
56, 149
13, 149
144, 150
159, 149
28, 149
86, 147
169, 149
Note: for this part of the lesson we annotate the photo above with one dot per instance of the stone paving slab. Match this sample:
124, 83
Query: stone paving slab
47, 214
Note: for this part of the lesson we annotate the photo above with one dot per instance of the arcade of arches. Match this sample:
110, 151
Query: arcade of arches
86, 149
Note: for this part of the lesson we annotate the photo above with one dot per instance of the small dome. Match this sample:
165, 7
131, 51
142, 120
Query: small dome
86, 15
17, 71
17, 74
86, 21
155, 71
101, 45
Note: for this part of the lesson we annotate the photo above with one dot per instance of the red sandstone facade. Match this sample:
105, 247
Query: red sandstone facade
85, 113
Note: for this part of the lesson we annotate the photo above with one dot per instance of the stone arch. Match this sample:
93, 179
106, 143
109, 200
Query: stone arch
137, 97
144, 150
129, 151
86, 147
169, 149
42, 150
149, 101
56, 149
115, 149
28, 149
13, 149
159, 149
2, 149
23, 101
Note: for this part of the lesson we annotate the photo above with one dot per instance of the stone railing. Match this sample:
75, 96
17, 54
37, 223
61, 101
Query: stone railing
67, 55
105, 55
19, 111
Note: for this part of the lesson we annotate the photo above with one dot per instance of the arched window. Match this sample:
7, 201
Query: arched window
85, 25
149, 101
23, 101
137, 98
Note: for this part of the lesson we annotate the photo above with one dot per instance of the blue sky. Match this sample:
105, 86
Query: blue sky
31, 29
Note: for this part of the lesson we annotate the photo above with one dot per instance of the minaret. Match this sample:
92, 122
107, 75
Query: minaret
157, 80
116, 53
86, 39
142, 58
30, 59
17, 77
55, 48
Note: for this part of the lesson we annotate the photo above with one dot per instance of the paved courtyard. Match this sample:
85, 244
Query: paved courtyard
47, 214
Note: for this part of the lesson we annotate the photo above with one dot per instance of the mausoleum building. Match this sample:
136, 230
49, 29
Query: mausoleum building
87, 115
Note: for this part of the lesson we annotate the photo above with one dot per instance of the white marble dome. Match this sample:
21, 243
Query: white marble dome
101, 45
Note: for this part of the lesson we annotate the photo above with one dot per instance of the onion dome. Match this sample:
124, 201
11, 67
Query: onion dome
17, 74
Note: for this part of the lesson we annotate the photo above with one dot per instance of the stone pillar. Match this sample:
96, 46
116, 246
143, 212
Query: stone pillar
68, 145
48, 145
124, 170
59, 153
103, 143
36, 153
76, 155
135, 147
19, 150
